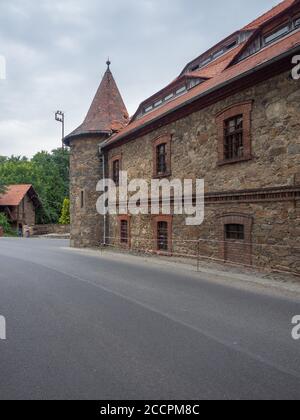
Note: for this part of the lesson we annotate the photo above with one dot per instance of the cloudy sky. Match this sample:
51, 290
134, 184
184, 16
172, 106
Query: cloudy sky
56, 51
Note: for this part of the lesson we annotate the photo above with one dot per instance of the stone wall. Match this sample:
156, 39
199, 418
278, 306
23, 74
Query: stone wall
38, 230
26, 212
275, 142
85, 173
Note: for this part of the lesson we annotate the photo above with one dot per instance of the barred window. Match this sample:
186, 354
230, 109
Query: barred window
235, 232
162, 236
233, 138
161, 159
124, 232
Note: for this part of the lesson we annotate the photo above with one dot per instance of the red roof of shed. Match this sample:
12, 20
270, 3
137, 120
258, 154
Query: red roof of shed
15, 193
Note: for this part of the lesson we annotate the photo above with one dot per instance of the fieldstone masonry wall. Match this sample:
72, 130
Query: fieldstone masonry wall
86, 171
275, 145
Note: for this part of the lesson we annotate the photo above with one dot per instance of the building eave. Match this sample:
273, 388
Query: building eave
262, 71
76, 136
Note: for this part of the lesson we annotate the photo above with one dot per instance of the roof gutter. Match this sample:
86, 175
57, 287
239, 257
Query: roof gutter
208, 92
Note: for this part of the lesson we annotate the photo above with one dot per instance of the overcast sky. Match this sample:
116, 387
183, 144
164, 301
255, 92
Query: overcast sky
56, 52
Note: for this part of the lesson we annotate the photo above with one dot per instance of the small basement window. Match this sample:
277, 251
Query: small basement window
235, 232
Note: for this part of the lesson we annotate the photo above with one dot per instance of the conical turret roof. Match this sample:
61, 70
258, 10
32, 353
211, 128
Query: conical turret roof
107, 112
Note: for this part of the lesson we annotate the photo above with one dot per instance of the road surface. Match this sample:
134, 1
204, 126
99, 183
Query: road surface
86, 326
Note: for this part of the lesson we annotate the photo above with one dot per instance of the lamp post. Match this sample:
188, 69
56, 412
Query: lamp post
60, 117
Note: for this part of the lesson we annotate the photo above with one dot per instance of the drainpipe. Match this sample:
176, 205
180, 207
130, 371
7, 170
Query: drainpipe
102, 160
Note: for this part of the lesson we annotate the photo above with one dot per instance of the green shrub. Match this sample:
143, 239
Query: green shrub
65, 213
4, 223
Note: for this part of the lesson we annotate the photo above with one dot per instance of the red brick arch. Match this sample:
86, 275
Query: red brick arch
236, 251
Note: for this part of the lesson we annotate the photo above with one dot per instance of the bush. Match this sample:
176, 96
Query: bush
4, 223
65, 213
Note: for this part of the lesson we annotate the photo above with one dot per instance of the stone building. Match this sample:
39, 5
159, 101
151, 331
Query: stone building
232, 118
19, 203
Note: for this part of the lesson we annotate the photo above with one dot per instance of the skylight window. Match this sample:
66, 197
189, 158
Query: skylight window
297, 22
217, 54
149, 108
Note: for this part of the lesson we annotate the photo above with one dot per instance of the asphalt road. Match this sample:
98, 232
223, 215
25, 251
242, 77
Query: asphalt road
81, 326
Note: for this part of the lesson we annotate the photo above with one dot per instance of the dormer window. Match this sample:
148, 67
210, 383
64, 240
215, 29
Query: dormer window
180, 90
158, 103
217, 54
149, 108
278, 33
167, 98
268, 38
232, 45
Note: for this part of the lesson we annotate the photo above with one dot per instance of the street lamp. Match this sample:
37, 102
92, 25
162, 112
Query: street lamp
60, 117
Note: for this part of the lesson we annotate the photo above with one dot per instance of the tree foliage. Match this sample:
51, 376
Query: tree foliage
2, 188
65, 213
49, 175
5, 224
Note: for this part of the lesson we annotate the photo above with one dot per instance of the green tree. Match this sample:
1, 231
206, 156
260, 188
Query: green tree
2, 188
49, 175
65, 213
5, 224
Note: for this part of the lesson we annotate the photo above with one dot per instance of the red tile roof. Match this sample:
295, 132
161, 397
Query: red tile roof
281, 7
221, 70
107, 112
14, 195
263, 56
217, 66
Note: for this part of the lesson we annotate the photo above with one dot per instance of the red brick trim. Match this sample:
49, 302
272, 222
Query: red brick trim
245, 109
245, 246
155, 221
126, 218
163, 139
